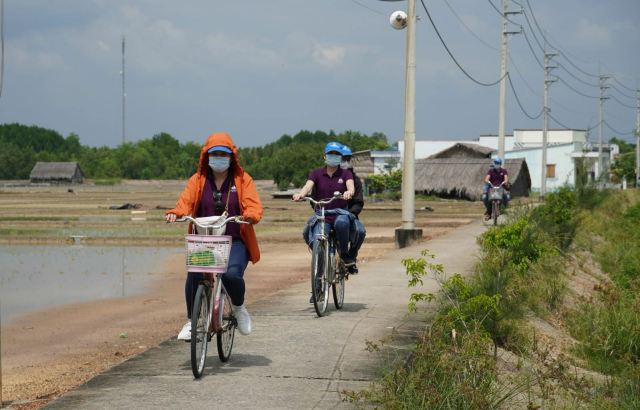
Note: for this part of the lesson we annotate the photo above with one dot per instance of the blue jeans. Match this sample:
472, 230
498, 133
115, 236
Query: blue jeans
341, 227
356, 237
233, 279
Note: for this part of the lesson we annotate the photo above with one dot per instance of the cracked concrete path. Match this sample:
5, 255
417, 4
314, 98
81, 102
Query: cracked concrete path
293, 359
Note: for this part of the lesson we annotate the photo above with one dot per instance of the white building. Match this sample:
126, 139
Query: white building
566, 148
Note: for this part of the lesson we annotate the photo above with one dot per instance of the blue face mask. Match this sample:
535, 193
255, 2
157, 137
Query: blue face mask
219, 164
333, 160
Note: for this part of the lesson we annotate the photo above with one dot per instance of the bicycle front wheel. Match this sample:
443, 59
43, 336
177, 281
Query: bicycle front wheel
338, 282
200, 324
319, 284
226, 322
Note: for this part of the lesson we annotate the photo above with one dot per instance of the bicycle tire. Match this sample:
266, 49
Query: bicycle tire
319, 285
494, 212
338, 283
200, 324
227, 325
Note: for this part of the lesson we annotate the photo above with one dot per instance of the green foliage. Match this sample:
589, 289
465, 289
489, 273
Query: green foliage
609, 330
387, 185
558, 216
624, 167
287, 161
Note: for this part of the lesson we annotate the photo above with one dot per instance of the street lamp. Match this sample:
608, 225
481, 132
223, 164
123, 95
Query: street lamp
408, 233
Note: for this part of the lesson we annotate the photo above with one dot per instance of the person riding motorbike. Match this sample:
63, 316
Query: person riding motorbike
496, 176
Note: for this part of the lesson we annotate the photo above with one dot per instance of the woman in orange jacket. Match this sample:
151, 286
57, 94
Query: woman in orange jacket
220, 185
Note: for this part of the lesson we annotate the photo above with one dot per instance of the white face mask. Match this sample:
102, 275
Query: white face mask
333, 160
219, 164
345, 164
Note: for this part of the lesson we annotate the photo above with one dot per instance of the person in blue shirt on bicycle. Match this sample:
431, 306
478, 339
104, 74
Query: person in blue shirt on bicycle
355, 205
321, 184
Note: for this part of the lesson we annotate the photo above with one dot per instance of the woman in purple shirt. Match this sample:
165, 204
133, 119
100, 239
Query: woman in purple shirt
327, 180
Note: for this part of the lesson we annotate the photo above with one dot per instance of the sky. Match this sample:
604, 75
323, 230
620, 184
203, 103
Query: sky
262, 69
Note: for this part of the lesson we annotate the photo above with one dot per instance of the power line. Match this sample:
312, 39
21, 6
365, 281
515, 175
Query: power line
621, 92
368, 8
558, 122
451, 54
621, 103
616, 131
576, 91
468, 28
622, 85
518, 100
500, 13
576, 77
532, 50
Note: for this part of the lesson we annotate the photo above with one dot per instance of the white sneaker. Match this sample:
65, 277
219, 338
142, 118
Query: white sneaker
243, 318
185, 333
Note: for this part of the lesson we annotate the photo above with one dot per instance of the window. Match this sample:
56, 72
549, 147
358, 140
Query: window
551, 170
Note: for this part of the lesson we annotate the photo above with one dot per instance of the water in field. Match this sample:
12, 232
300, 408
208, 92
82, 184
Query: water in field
37, 277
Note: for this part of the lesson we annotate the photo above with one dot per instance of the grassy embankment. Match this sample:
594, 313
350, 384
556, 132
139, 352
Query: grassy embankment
550, 319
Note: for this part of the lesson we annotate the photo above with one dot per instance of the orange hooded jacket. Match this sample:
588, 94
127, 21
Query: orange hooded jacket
250, 205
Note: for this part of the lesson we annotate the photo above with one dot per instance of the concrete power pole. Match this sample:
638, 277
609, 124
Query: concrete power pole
407, 233
602, 98
545, 122
503, 73
124, 95
638, 140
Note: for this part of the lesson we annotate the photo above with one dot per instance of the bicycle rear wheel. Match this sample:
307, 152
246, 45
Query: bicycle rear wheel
319, 284
494, 212
200, 324
227, 324
338, 282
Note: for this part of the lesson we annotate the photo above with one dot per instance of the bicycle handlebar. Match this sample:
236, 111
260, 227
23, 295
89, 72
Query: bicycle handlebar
205, 225
323, 202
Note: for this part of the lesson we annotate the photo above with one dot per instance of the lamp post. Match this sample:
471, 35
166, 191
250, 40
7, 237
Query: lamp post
407, 233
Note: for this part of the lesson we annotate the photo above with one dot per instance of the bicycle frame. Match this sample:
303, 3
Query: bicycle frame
323, 236
209, 280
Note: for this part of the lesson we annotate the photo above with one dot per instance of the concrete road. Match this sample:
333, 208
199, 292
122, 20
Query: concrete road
293, 359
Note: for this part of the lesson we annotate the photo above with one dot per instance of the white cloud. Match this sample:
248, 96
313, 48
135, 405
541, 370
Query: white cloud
591, 35
329, 56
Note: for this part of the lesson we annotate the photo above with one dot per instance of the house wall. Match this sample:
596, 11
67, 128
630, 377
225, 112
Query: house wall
560, 155
534, 137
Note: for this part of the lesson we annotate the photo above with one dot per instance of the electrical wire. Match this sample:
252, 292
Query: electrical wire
621, 92
558, 122
501, 14
468, 28
576, 77
574, 90
518, 101
613, 97
622, 85
532, 50
616, 131
368, 8
444, 44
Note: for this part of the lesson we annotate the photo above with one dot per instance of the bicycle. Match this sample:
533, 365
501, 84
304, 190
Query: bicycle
326, 269
211, 314
496, 194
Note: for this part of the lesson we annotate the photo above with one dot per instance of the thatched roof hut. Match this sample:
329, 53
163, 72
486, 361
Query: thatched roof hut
464, 150
57, 172
462, 177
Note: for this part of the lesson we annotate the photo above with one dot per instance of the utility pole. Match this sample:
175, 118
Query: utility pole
638, 139
602, 98
124, 94
545, 122
407, 233
503, 73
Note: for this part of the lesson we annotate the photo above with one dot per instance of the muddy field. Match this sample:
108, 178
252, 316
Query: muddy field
49, 352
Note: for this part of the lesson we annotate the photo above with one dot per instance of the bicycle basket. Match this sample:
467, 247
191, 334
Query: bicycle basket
208, 253
496, 193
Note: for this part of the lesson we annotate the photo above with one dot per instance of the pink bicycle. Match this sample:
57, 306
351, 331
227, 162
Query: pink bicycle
209, 253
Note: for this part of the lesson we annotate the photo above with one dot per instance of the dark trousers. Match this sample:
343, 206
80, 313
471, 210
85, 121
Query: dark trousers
233, 279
